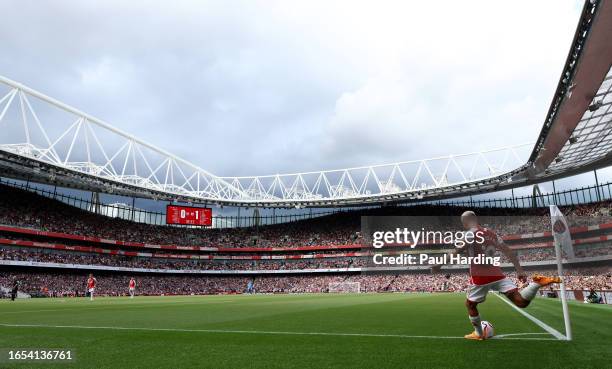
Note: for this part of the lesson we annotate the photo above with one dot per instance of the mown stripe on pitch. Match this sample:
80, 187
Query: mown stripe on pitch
188, 330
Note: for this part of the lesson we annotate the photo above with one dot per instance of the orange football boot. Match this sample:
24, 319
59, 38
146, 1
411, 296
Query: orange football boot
545, 281
474, 336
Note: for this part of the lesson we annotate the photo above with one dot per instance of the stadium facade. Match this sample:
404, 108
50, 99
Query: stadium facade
49, 239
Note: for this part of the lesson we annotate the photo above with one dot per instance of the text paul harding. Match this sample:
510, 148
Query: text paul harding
459, 239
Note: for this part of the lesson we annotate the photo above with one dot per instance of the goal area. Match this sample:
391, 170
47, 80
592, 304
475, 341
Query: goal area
344, 287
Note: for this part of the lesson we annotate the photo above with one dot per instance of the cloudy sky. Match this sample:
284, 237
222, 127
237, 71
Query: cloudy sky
262, 87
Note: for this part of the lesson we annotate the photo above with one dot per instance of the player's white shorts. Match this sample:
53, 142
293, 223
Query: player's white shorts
91, 290
132, 289
478, 293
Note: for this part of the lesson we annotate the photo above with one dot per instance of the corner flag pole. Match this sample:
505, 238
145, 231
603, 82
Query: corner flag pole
562, 240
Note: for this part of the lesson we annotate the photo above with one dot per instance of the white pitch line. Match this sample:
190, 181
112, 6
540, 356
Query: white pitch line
526, 338
338, 334
520, 334
558, 335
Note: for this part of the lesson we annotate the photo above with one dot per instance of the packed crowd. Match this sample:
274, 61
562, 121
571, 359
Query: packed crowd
68, 257
26, 209
580, 251
66, 284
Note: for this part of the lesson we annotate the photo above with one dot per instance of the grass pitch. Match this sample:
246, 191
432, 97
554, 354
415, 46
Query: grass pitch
301, 331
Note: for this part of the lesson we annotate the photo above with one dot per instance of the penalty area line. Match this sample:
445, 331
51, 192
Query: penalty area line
188, 330
558, 335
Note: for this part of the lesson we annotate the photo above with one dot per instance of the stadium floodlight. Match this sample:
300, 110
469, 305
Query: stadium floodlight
595, 105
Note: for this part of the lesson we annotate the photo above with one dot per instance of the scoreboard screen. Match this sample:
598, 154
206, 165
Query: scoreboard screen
188, 215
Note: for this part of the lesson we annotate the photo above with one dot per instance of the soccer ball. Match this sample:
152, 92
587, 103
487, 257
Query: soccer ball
487, 329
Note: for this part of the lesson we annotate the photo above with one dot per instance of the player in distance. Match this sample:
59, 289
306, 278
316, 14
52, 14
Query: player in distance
132, 287
91, 286
488, 277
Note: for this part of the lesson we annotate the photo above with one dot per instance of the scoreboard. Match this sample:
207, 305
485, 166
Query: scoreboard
188, 215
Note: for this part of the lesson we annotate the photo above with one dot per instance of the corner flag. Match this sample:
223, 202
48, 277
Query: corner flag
563, 240
561, 231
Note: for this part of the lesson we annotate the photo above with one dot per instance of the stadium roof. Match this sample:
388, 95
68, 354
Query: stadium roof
65, 146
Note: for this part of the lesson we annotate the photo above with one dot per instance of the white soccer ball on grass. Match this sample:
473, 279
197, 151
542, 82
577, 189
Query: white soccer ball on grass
487, 329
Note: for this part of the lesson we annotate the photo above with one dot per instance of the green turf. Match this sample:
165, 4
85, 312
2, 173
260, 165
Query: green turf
374, 314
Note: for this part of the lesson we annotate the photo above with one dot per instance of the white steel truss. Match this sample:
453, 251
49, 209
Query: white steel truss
43, 129
48, 141
386, 180
73, 140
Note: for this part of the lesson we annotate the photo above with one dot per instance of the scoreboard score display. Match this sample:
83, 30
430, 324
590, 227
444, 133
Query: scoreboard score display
188, 215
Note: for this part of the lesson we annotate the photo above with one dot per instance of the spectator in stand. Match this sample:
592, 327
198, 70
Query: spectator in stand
70, 284
26, 209
340, 262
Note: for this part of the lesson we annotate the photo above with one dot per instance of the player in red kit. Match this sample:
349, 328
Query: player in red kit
91, 286
485, 277
132, 287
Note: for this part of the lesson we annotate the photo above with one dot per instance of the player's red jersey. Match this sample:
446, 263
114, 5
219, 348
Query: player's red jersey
91, 282
132, 283
484, 273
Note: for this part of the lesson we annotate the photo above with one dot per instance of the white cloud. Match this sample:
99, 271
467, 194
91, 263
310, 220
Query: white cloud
251, 87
